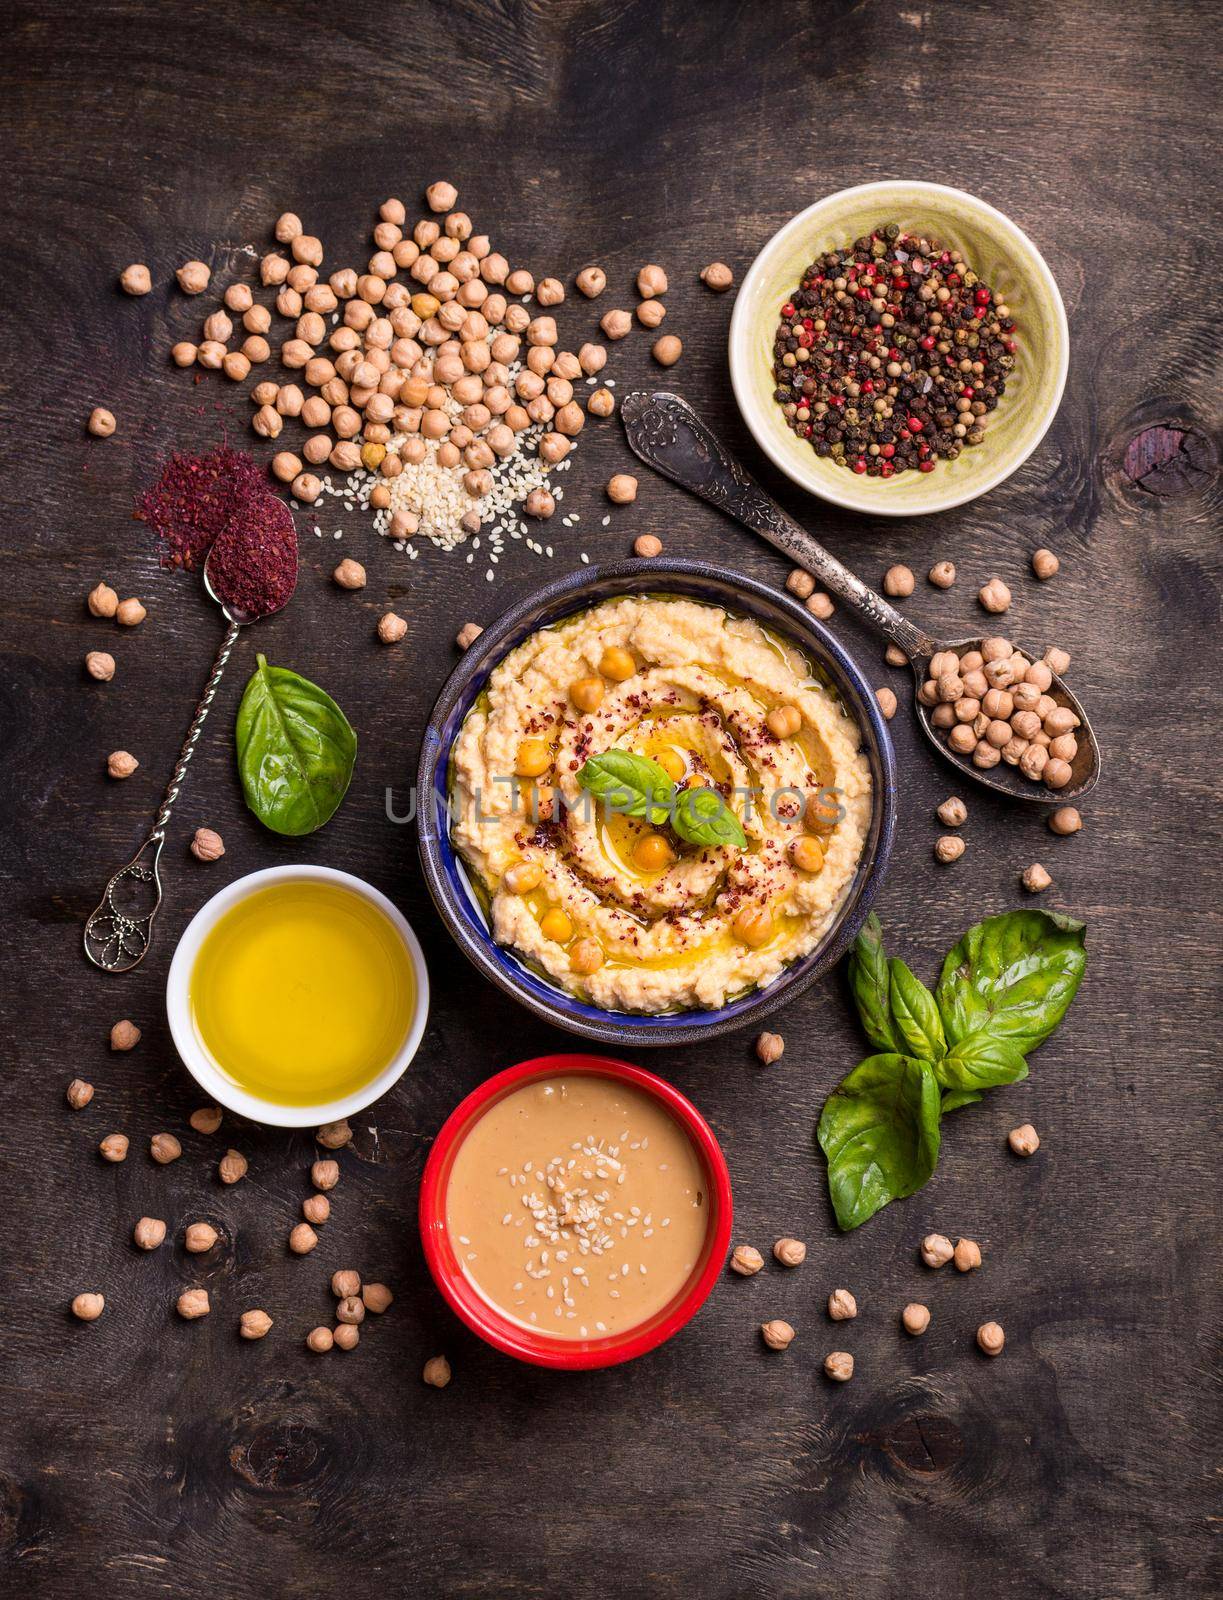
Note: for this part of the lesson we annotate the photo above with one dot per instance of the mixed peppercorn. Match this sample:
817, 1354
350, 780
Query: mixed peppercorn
891, 354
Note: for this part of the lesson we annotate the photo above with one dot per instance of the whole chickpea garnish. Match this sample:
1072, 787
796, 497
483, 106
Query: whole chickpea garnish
777, 1335
839, 1366
842, 1307
936, 1250
334, 1135
916, 1318
207, 845
967, 1255
991, 1338
783, 722
100, 665
717, 276
193, 1303
254, 1325
942, 574
790, 1252
232, 1167
898, 581
436, 1372
1024, 1140
79, 1094
88, 1307
148, 1233
667, 350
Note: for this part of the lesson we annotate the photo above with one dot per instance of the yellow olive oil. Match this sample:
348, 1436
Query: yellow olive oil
302, 993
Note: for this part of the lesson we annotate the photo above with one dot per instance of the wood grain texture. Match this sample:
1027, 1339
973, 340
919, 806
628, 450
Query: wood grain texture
147, 1456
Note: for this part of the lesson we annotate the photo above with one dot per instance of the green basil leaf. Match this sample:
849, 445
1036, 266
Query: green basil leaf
955, 1098
870, 986
703, 817
296, 750
914, 1013
980, 1062
632, 785
1012, 976
879, 1130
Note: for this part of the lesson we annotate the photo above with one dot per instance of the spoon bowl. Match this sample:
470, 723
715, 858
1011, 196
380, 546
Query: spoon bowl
1004, 778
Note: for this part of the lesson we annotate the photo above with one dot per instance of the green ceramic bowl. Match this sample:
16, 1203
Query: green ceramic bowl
993, 246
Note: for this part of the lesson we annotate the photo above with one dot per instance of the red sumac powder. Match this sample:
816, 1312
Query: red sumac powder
253, 565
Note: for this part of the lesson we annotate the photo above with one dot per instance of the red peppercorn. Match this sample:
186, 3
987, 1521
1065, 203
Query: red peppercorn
887, 451
860, 465
788, 309
928, 342
915, 424
886, 470
953, 280
925, 466
982, 296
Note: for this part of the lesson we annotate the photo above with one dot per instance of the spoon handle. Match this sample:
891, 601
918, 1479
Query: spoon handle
666, 433
118, 934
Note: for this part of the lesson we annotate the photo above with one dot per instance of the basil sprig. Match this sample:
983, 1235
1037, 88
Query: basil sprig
635, 786
1003, 990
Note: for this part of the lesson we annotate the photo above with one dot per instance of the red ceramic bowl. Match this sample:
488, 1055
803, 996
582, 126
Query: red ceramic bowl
500, 1331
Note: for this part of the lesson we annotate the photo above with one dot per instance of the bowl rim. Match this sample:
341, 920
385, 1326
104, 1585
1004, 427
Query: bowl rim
478, 1313
196, 1060
873, 501
563, 595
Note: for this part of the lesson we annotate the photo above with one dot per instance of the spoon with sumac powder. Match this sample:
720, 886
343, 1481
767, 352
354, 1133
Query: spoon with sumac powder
251, 572
1010, 702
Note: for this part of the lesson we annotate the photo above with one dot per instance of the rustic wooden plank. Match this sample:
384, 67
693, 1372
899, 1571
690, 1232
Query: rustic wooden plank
158, 1457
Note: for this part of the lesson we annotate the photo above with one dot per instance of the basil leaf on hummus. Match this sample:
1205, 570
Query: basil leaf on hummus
633, 786
702, 817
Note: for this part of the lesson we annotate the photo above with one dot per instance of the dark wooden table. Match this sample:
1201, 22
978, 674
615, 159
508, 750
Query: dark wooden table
143, 1455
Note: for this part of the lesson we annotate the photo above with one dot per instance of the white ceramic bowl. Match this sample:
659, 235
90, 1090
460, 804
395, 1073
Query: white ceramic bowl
196, 1059
993, 246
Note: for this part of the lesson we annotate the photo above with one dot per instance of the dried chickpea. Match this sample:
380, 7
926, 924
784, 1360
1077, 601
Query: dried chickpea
232, 1167
1044, 564
667, 350
887, 702
650, 313
320, 1340
916, 1318
953, 813
967, 1255
334, 1135
717, 276
622, 489
591, 281
307, 488
377, 1297
193, 277
467, 635
839, 1366
647, 545
351, 1310
777, 1335
302, 1239
1035, 879
770, 1047
436, 1372
100, 665
991, 1338
936, 1250
995, 596
391, 628
345, 1283
1024, 1140
347, 1336
949, 848
539, 503
842, 1307
193, 1303
207, 1119
88, 1307
254, 1325
136, 279
199, 1237
746, 1260
790, 1252
1065, 821
130, 613
101, 422
325, 1174
899, 581
113, 1147
349, 574
124, 1035
820, 605
79, 1094
441, 196
149, 1233
102, 601
164, 1148
616, 324
942, 574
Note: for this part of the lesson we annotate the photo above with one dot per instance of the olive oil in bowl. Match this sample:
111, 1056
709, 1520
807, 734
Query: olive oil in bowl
302, 993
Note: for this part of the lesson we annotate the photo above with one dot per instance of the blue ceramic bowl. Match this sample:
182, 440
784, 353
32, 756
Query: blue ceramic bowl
447, 876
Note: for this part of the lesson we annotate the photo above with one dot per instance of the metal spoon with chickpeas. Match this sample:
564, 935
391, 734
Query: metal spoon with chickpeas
1001, 715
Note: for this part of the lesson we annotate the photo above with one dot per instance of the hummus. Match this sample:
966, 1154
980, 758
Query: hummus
619, 910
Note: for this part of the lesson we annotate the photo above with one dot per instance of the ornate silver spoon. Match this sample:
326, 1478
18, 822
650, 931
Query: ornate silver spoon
666, 433
120, 928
